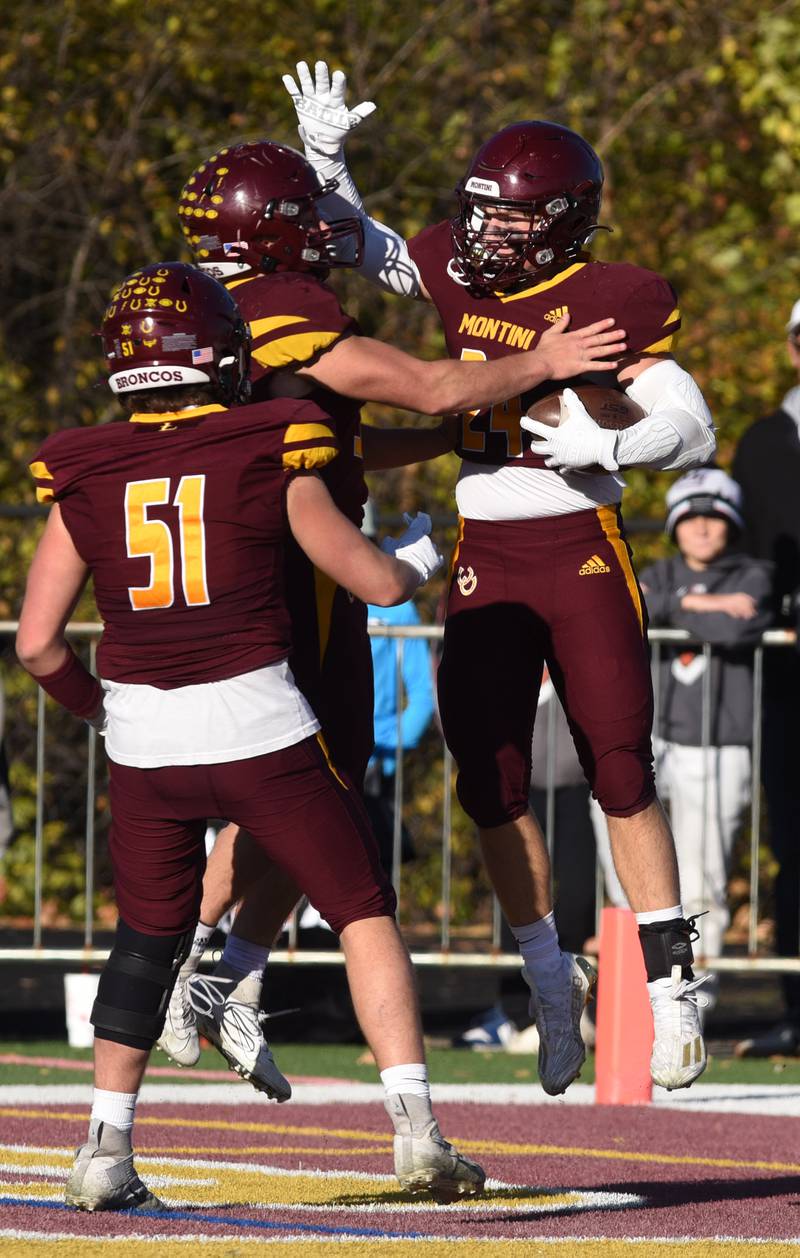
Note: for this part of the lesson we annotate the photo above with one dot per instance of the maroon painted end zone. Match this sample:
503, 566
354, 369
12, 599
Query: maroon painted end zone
699, 1175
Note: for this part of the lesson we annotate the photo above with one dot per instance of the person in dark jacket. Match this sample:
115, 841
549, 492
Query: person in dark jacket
767, 466
703, 767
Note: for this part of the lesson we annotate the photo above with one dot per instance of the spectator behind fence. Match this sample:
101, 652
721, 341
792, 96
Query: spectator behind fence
767, 466
417, 674
724, 598
573, 863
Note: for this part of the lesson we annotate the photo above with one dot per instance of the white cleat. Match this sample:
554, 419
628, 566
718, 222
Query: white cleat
557, 1014
228, 1015
679, 1053
103, 1176
423, 1160
179, 1039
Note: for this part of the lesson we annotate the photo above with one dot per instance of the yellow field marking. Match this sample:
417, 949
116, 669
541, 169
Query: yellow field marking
381, 1138
617, 1155
35, 1188
255, 1150
308, 1247
382, 1141
239, 1183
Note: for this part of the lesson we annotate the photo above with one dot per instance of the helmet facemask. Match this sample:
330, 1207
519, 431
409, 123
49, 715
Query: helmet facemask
257, 204
498, 244
233, 371
290, 238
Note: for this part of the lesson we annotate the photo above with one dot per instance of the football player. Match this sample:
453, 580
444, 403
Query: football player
250, 214
542, 570
180, 517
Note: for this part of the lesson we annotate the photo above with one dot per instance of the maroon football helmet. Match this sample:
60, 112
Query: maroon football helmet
254, 206
170, 324
550, 180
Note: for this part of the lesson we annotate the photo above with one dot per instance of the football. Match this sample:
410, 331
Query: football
610, 408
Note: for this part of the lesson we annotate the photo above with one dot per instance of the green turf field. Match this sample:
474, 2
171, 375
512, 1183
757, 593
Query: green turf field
342, 1061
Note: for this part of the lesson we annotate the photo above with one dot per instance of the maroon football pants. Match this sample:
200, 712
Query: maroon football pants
560, 590
305, 817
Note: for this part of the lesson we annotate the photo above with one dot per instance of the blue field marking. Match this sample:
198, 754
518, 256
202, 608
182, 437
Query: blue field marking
231, 1220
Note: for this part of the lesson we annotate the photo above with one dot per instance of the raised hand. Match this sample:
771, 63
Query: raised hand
323, 118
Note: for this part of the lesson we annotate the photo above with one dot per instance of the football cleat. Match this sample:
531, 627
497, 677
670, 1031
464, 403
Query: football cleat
782, 1040
228, 1014
679, 1052
490, 1031
557, 1013
179, 1039
423, 1160
103, 1177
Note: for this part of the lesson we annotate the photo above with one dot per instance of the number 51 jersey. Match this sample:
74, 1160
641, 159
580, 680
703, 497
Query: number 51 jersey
181, 518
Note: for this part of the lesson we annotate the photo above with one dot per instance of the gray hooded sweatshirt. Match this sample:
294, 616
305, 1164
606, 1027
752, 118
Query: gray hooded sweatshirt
682, 665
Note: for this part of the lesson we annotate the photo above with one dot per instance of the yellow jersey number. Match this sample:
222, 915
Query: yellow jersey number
153, 539
504, 419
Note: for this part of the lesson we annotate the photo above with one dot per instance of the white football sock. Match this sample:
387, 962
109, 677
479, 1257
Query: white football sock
406, 1079
659, 915
116, 1108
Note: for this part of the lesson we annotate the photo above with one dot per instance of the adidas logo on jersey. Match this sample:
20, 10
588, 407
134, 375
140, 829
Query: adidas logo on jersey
593, 564
553, 316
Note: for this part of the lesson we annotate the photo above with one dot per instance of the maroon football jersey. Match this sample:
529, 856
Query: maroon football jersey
478, 328
180, 517
294, 318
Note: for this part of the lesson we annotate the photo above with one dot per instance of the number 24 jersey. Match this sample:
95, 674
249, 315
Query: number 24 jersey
479, 328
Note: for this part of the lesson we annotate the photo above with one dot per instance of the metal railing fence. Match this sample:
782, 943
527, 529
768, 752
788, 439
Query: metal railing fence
490, 954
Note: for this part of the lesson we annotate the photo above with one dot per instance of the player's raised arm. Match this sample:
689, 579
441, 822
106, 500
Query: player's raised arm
323, 122
383, 576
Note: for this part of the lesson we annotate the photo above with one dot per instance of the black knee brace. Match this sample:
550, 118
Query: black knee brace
665, 944
136, 984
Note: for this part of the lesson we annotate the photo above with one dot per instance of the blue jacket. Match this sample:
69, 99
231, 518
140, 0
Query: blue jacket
417, 684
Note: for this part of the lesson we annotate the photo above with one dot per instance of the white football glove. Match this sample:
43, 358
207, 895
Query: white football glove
577, 443
415, 547
323, 118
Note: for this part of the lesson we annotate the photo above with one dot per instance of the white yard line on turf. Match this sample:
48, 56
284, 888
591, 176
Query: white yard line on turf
781, 1100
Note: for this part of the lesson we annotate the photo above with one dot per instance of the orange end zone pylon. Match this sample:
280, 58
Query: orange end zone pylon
624, 1020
